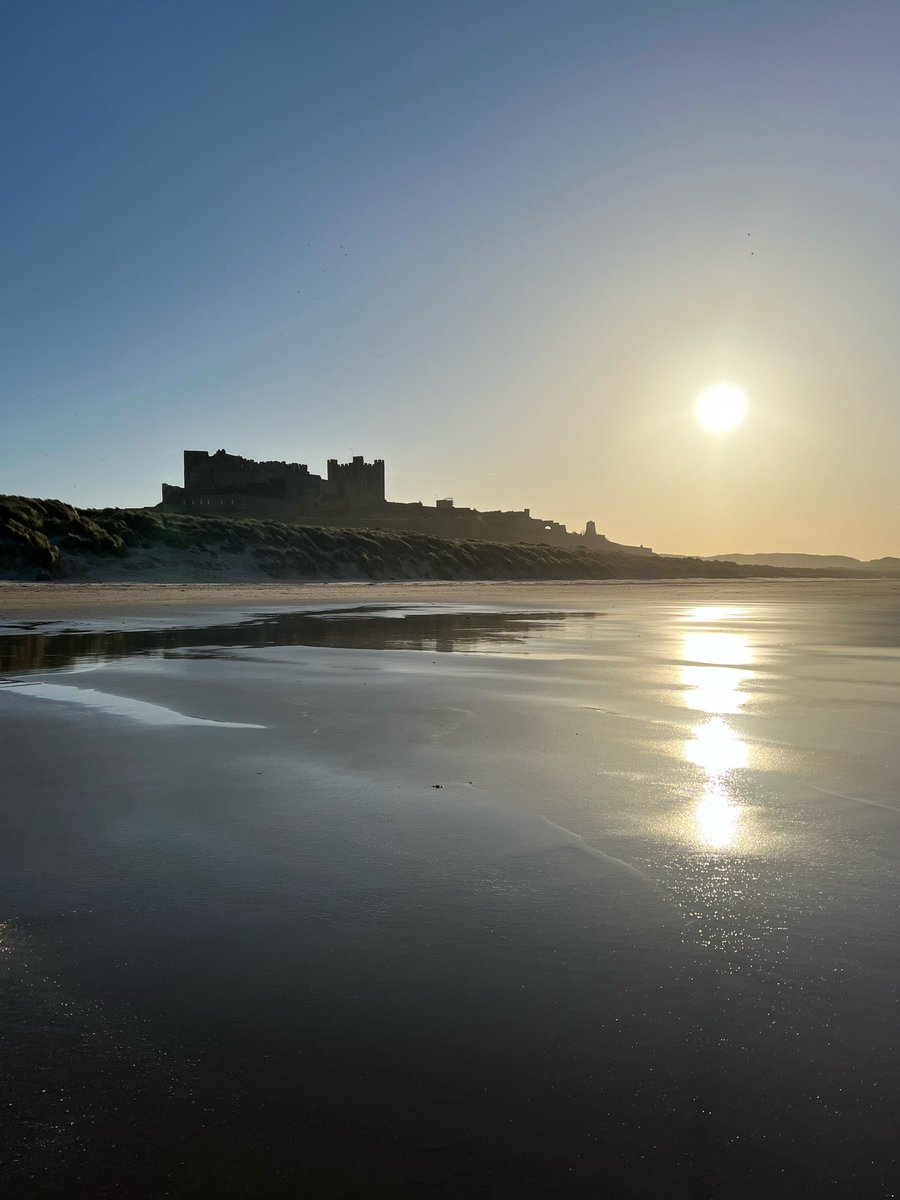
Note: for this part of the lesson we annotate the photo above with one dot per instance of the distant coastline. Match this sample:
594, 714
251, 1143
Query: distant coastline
49, 540
880, 566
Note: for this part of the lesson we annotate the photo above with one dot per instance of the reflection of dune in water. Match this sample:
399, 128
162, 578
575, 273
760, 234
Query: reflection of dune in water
358, 628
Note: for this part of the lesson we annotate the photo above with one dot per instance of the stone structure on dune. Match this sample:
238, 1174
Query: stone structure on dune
350, 495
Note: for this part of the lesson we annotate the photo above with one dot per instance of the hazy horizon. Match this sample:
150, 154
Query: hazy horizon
501, 247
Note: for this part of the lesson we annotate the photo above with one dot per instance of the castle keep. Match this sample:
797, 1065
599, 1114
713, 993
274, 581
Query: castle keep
279, 491
351, 494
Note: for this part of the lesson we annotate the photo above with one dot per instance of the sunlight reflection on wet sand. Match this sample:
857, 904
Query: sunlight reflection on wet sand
716, 665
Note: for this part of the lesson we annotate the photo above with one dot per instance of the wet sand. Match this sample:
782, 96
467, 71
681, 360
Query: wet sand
532, 890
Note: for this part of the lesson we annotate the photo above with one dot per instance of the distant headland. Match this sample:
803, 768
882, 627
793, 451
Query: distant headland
889, 565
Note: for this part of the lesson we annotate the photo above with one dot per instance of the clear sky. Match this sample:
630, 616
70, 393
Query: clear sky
500, 245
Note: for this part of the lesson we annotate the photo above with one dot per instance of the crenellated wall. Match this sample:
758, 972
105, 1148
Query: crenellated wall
352, 494
356, 484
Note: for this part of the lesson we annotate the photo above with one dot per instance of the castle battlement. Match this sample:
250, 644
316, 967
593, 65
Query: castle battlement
352, 494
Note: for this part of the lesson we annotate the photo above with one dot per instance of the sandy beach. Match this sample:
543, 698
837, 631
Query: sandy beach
460, 890
54, 601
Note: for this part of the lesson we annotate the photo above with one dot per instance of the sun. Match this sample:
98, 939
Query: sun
721, 407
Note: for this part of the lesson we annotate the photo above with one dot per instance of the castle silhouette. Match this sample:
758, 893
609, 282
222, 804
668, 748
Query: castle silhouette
350, 495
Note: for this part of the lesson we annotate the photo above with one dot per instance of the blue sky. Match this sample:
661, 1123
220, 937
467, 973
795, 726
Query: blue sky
502, 246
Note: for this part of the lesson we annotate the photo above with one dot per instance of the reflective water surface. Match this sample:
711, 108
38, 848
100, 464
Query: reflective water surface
717, 664
600, 903
36, 646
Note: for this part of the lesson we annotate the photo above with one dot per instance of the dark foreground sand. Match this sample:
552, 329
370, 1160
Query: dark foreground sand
462, 903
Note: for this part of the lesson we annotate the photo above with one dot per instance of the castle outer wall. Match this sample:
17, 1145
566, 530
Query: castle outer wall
350, 495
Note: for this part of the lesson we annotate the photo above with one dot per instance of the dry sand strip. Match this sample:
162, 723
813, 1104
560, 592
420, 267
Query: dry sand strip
78, 601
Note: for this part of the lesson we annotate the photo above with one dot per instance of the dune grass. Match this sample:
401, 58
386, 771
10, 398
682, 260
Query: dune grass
47, 539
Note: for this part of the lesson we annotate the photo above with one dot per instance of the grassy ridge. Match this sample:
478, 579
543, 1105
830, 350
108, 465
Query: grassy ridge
47, 539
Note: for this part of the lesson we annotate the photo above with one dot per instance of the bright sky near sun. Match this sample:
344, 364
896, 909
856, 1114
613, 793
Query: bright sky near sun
503, 246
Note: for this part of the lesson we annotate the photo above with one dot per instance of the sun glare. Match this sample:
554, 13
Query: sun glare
721, 407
